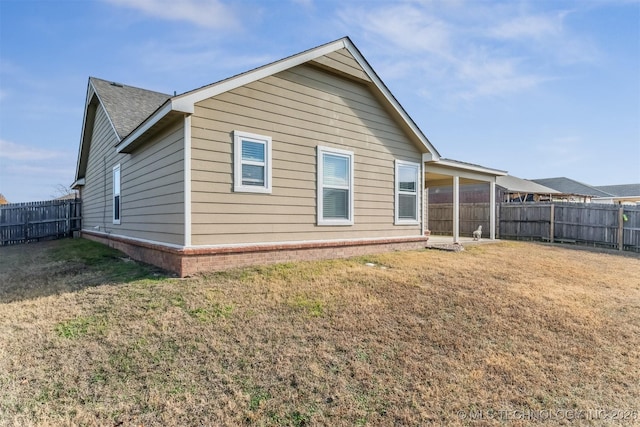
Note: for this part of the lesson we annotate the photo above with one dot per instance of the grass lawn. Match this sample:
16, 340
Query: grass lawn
499, 334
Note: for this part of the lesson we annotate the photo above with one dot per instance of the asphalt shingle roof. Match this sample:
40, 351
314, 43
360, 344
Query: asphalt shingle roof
624, 190
127, 106
513, 183
570, 186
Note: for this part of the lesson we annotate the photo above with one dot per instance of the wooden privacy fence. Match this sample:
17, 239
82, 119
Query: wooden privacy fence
34, 221
611, 226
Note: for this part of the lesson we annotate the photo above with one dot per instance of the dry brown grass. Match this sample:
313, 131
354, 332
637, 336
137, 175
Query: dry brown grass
422, 338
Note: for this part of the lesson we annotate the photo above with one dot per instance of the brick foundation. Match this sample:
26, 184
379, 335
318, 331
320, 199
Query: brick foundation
189, 261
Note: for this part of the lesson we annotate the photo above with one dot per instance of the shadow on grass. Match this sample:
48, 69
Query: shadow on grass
592, 249
35, 270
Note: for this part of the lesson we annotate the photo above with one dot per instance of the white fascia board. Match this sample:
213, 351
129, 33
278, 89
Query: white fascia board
391, 99
189, 99
84, 123
468, 167
78, 183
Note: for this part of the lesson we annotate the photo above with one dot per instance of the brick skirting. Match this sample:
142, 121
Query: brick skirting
189, 261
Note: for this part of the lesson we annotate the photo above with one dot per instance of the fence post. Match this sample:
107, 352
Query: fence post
552, 222
621, 228
26, 226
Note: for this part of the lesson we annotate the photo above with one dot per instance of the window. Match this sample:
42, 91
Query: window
252, 163
116, 195
407, 188
335, 186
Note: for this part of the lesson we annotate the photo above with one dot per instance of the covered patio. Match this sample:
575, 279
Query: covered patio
447, 172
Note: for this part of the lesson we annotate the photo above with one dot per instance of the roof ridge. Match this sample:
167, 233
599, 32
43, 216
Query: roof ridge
126, 106
118, 84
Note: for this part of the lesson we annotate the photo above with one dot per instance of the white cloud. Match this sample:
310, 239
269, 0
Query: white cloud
483, 76
13, 151
529, 27
405, 26
189, 64
469, 50
204, 13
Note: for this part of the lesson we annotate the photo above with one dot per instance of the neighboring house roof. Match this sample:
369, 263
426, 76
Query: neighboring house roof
126, 106
515, 184
624, 190
70, 196
570, 186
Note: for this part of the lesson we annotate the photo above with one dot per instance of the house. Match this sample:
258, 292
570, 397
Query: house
71, 196
624, 194
571, 190
308, 157
514, 189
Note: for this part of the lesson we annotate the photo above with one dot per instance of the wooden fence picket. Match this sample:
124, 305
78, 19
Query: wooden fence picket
608, 226
35, 221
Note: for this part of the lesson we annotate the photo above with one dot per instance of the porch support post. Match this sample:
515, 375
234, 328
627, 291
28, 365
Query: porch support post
456, 209
492, 210
425, 212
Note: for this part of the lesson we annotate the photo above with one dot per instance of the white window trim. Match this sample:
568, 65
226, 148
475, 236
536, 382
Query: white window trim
238, 136
402, 221
116, 192
321, 150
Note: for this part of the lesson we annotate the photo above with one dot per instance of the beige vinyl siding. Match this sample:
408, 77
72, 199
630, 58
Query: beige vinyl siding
152, 186
342, 61
300, 109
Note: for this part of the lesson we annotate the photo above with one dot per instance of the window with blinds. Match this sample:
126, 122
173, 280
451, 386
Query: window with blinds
252, 163
407, 188
335, 186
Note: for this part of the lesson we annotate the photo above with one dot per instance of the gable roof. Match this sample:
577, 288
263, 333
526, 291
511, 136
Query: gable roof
126, 106
570, 186
135, 113
624, 190
515, 184
185, 103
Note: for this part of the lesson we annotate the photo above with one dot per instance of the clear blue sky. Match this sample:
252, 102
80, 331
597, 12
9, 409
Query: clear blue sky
540, 88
